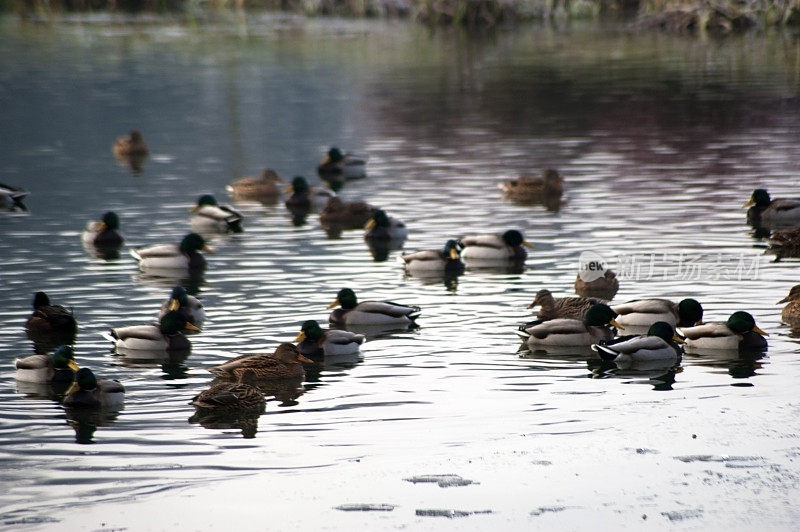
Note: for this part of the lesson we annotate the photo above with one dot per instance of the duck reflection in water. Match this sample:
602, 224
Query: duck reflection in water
131, 150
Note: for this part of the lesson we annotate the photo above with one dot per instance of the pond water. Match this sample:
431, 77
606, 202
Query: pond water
660, 139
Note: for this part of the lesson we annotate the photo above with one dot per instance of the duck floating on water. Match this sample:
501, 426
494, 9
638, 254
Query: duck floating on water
286, 362
562, 307
790, 314
266, 188
314, 341
103, 233
60, 367
50, 325
767, 212
166, 335
208, 216
188, 306
183, 256
595, 327
738, 332
89, 392
346, 165
660, 343
369, 312
645, 312
533, 189
435, 261
508, 246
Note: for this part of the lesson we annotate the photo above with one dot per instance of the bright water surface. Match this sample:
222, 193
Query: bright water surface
660, 139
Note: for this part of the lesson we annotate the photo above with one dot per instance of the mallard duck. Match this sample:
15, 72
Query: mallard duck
208, 216
369, 312
605, 287
166, 335
304, 197
346, 214
738, 332
345, 164
530, 188
130, 145
11, 198
384, 227
103, 233
183, 256
493, 247
50, 321
266, 188
89, 392
790, 314
660, 343
58, 367
189, 307
230, 397
285, 362
785, 242
592, 329
315, 341
440, 261
769, 212
562, 307
645, 312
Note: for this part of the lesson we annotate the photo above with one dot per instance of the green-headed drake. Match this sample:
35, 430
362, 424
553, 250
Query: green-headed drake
59, 367
660, 343
166, 335
89, 392
439, 261
790, 314
347, 165
551, 308
381, 226
369, 312
314, 341
595, 327
230, 397
765, 211
285, 362
188, 306
304, 197
132, 144
183, 256
266, 188
645, 312
208, 216
738, 332
508, 246
103, 233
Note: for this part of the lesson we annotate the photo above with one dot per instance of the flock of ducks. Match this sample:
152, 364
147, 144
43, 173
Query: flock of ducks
656, 329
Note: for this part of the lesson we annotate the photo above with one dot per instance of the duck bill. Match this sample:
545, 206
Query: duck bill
304, 360
194, 208
73, 365
207, 249
300, 337
174, 304
749, 202
101, 226
191, 327
616, 324
72, 389
370, 224
784, 300
678, 339
757, 329
334, 304
288, 190
527, 244
453, 254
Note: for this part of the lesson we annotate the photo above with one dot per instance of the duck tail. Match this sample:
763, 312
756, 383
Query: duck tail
109, 335
414, 314
605, 352
522, 333
135, 254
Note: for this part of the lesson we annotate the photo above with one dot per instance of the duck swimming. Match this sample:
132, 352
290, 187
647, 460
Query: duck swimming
306, 198
89, 392
166, 335
645, 312
266, 188
60, 367
230, 397
183, 256
346, 214
765, 211
738, 332
208, 216
790, 314
285, 362
532, 189
316, 341
132, 144
563, 307
345, 164
50, 324
495, 247
384, 227
188, 306
439, 261
604, 287
369, 312
595, 327
103, 233
660, 343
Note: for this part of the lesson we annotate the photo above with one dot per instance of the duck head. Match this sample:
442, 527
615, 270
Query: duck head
205, 200
345, 298
600, 315
194, 242
173, 322
309, 330
690, 313
64, 358
110, 220
742, 322
514, 238
288, 352
759, 197
335, 155
664, 330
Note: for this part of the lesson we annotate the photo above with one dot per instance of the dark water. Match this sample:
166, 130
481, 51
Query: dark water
660, 140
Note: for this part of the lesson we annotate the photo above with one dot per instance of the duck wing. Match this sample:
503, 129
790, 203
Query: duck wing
707, 330
158, 250
388, 308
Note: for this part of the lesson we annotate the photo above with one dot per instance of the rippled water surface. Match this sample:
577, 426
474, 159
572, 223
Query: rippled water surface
660, 140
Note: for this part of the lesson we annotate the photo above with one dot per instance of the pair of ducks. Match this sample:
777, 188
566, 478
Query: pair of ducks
577, 321
60, 368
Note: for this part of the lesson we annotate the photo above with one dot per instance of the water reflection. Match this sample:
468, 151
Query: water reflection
246, 421
85, 422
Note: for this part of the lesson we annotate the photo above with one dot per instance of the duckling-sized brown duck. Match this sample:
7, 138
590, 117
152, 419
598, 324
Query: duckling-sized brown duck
528, 188
790, 315
785, 242
562, 307
266, 188
229, 397
605, 287
50, 324
130, 145
284, 363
